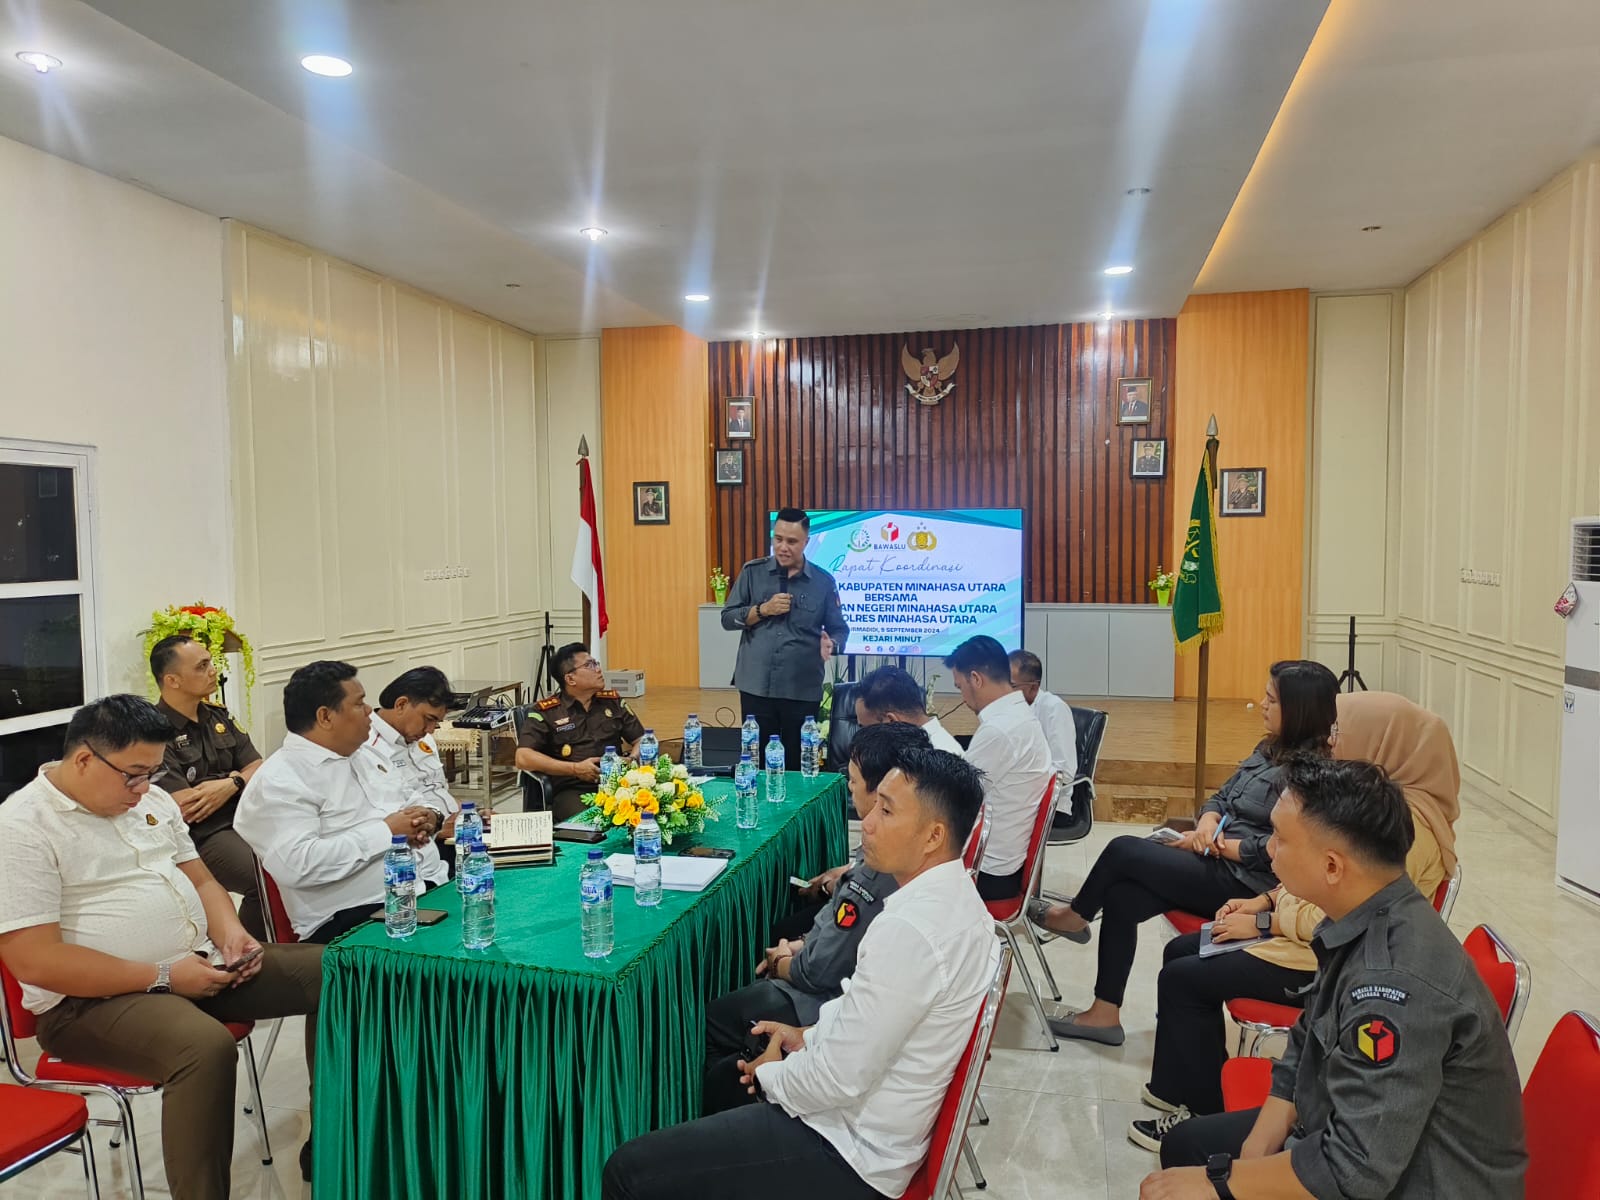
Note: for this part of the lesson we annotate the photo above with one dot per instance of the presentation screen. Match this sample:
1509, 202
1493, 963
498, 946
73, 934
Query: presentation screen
922, 581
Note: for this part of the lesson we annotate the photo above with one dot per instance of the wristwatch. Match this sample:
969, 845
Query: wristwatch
1264, 922
163, 983
1218, 1168
238, 782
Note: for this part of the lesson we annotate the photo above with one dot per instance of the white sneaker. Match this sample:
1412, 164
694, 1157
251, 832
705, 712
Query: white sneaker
1148, 1134
1155, 1101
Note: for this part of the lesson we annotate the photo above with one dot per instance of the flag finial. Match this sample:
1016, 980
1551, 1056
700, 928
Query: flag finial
583, 443
1211, 426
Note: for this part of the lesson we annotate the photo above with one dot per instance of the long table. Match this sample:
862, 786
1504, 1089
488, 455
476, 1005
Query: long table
516, 1071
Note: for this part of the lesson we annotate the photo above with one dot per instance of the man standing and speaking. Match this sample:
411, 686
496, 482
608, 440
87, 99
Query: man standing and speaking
788, 610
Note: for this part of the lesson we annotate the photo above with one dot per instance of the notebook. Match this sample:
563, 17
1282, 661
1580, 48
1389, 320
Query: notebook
1208, 948
525, 837
678, 874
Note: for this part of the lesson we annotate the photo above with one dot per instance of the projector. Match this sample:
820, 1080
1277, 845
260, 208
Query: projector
629, 684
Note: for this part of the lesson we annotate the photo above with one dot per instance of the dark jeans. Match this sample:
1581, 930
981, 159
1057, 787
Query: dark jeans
781, 717
342, 921
1192, 1142
1191, 1038
728, 1021
1134, 880
999, 887
754, 1150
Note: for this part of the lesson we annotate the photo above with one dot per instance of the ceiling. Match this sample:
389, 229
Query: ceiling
825, 167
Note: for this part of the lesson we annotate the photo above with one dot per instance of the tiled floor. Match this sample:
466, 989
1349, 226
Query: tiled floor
1058, 1120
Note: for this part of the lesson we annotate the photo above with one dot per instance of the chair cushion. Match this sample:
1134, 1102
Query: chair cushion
33, 1118
54, 1070
1246, 1083
1263, 1012
240, 1029
1185, 922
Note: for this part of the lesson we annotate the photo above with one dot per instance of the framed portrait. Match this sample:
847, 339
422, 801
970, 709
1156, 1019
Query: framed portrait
1149, 458
741, 416
1243, 493
1133, 402
650, 504
730, 467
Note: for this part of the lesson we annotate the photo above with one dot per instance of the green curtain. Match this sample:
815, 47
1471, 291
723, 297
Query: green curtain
517, 1070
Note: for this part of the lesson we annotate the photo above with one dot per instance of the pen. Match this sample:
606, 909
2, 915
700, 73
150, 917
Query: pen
1217, 836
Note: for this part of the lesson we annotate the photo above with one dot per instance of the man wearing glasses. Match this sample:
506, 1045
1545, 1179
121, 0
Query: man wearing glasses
565, 734
127, 948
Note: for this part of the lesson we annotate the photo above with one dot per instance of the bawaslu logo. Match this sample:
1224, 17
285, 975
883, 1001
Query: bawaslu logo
861, 540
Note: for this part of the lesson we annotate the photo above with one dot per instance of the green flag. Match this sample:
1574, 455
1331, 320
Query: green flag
1197, 598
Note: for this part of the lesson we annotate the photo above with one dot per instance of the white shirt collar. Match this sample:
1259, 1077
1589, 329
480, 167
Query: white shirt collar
386, 731
306, 748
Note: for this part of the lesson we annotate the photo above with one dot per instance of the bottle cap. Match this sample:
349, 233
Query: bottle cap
649, 731
466, 804
773, 738
595, 853
694, 716
744, 756
476, 847
398, 839
611, 749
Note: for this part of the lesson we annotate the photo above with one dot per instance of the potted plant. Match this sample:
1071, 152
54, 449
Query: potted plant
1162, 584
719, 585
213, 628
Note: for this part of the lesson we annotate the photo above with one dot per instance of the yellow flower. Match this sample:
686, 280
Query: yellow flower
608, 803
618, 817
695, 801
683, 788
651, 807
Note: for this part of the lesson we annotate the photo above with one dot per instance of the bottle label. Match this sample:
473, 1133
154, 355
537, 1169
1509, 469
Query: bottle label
596, 891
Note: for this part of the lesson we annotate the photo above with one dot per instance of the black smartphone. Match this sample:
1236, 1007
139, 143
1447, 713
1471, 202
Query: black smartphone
239, 964
707, 852
425, 916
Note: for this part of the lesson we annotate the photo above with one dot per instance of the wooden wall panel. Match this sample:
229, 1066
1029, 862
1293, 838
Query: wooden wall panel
1031, 425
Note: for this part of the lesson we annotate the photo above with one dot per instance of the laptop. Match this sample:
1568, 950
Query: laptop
719, 749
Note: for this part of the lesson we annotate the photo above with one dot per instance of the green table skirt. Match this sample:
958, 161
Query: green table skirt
516, 1071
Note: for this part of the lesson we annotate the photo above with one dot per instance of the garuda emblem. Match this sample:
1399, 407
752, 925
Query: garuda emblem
932, 379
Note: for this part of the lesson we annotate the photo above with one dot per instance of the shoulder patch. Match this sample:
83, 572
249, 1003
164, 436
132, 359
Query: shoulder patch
548, 703
845, 915
1377, 991
1377, 1040
533, 716
608, 694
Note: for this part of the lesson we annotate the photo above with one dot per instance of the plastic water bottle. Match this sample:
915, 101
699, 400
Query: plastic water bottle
610, 768
399, 889
775, 788
649, 748
750, 739
594, 895
746, 806
477, 898
693, 740
810, 747
647, 862
469, 827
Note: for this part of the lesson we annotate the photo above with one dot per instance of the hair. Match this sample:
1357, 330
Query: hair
564, 661
877, 749
315, 686
1308, 696
950, 786
164, 653
420, 685
1355, 801
891, 689
795, 516
1026, 663
116, 722
981, 654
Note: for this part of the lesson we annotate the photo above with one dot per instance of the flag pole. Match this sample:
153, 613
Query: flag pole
587, 627
1205, 646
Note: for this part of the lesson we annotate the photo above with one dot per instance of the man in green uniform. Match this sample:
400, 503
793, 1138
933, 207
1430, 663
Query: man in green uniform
565, 734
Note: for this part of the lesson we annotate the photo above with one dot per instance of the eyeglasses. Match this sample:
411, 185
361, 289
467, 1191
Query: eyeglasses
592, 664
129, 780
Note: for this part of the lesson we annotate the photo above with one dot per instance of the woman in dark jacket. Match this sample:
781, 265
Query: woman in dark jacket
1224, 858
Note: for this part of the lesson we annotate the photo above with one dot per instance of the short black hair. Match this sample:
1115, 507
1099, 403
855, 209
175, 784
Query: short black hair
891, 689
1308, 696
795, 516
949, 785
420, 685
316, 685
1355, 801
981, 654
164, 653
1027, 664
877, 749
564, 661
116, 722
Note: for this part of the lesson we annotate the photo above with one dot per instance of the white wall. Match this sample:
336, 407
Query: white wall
110, 336
571, 373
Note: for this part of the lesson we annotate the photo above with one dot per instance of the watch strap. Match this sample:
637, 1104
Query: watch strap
1218, 1168
163, 981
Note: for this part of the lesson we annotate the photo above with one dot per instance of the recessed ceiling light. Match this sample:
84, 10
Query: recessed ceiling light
1119, 270
326, 64
697, 297
39, 60
1106, 316
1138, 191
593, 232
1371, 228
757, 334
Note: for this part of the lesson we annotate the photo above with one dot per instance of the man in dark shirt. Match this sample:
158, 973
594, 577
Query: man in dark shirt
206, 767
788, 610
565, 734
1398, 1080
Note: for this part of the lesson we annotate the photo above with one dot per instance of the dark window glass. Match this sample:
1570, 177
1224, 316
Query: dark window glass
22, 754
41, 655
38, 524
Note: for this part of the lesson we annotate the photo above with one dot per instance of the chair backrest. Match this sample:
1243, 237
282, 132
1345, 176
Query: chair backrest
279, 927
842, 725
977, 842
1090, 727
1563, 1153
934, 1176
1504, 971
1033, 864
15, 1022
1444, 896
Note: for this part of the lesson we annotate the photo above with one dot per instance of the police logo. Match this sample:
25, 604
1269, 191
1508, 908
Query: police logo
191, 773
608, 712
1378, 1041
221, 728
846, 915
566, 752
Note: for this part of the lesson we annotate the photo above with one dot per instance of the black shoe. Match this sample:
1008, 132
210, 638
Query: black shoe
1149, 1133
305, 1161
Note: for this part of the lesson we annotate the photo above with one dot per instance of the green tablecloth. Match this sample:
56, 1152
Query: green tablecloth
517, 1070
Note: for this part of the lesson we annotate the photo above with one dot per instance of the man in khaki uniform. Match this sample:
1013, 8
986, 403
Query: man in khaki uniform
565, 734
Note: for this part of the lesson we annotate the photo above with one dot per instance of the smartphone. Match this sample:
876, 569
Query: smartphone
240, 964
798, 882
707, 852
425, 916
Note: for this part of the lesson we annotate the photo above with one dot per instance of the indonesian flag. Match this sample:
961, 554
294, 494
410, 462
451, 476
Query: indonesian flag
586, 569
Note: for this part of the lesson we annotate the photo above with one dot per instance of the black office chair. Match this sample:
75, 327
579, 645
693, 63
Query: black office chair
536, 787
1074, 824
842, 726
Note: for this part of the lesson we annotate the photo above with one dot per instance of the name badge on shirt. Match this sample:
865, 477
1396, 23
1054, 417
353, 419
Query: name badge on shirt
1377, 991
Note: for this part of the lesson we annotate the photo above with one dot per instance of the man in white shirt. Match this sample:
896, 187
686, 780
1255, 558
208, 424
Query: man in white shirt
893, 694
408, 711
1060, 730
1011, 751
127, 948
851, 1101
320, 815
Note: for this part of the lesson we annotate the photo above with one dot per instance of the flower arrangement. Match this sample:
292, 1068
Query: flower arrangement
719, 585
1162, 584
213, 628
663, 791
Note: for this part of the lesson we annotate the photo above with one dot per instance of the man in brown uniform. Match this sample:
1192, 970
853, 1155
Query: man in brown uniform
565, 734
206, 767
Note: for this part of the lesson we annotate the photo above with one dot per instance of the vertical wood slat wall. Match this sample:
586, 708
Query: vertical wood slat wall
1031, 424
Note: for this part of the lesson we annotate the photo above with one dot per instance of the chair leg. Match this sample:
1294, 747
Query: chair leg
1038, 950
977, 1106
272, 1042
135, 1172
255, 1095
978, 1181
91, 1178
1033, 991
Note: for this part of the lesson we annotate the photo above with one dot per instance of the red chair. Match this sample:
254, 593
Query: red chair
280, 931
935, 1178
1008, 914
1444, 896
35, 1124
1563, 1153
977, 843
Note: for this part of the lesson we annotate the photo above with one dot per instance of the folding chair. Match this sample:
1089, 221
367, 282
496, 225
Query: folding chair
1009, 914
1563, 1153
977, 843
34, 1124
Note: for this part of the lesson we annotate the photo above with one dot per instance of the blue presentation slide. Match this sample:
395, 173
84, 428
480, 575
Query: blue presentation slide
921, 582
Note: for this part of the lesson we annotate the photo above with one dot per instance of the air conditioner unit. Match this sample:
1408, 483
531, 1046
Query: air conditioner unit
1578, 826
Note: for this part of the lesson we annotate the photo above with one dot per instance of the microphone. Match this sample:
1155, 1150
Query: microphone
783, 589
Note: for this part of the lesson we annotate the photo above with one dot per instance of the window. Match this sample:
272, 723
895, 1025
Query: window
49, 657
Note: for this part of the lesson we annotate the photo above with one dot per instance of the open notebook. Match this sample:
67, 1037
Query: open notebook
525, 837
678, 874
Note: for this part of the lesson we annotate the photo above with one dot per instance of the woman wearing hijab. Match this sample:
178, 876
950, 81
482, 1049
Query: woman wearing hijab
1224, 858
1414, 747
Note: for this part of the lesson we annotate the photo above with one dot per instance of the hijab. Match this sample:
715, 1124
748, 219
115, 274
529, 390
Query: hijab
1413, 745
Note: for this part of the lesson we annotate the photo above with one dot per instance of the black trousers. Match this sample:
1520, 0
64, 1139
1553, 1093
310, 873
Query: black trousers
999, 887
799, 921
1192, 1142
781, 717
1134, 880
753, 1150
728, 1021
1191, 1037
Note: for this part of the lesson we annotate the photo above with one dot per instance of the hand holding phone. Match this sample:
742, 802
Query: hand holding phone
240, 964
796, 881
